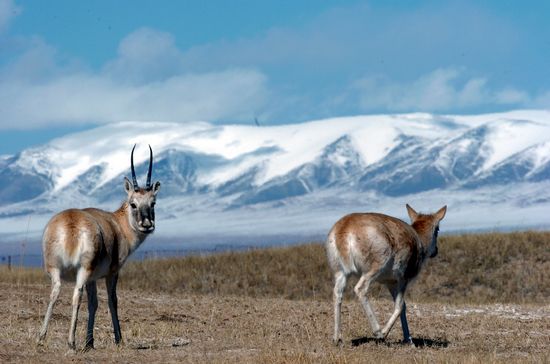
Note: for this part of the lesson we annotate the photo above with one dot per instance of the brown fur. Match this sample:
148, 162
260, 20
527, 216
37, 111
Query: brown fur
381, 248
424, 226
401, 237
89, 244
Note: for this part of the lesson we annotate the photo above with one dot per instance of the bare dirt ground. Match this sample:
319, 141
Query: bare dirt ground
178, 327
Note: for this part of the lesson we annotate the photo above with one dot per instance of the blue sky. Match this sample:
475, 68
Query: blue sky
71, 65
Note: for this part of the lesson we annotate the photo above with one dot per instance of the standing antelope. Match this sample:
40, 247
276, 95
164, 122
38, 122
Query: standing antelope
380, 248
90, 244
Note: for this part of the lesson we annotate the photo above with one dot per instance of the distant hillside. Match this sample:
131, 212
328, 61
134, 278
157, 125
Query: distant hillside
492, 170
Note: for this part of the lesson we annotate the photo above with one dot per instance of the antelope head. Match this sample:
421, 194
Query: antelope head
141, 200
427, 227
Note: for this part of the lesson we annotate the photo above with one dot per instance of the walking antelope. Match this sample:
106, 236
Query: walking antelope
90, 244
380, 248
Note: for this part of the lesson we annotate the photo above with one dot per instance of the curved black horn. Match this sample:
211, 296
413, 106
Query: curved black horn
148, 183
134, 180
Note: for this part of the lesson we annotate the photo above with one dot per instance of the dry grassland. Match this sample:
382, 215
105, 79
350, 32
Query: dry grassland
485, 298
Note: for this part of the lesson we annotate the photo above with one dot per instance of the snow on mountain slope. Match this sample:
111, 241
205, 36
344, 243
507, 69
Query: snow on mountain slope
539, 157
508, 137
239, 171
373, 137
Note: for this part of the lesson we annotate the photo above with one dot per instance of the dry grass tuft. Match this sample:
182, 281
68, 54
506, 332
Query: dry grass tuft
274, 306
475, 268
470, 268
230, 329
291, 272
23, 276
488, 268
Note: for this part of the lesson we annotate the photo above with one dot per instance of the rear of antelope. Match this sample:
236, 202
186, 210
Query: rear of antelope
380, 248
88, 244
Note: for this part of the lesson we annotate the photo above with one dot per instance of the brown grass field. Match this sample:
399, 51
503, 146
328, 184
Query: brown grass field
485, 298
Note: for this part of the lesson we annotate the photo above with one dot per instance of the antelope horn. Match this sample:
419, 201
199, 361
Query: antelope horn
148, 183
134, 180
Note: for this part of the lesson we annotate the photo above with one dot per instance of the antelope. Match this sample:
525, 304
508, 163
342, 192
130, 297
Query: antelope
88, 244
380, 248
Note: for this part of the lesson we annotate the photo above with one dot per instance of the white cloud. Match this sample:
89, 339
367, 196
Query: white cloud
8, 10
144, 82
82, 98
146, 55
542, 100
512, 96
370, 36
440, 90
309, 67
36, 61
423, 55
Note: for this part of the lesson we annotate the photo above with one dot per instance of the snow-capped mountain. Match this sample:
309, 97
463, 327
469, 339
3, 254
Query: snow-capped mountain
297, 178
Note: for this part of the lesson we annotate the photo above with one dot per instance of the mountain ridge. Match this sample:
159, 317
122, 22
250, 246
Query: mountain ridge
239, 169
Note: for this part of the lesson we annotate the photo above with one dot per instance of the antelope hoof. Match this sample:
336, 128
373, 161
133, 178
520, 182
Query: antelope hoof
70, 352
337, 342
40, 340
409, 341
379, 335
89, 345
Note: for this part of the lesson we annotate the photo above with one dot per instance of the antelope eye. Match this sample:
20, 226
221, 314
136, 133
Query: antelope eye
133, 205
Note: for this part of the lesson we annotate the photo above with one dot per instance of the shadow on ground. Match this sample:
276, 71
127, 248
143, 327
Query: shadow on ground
419, 342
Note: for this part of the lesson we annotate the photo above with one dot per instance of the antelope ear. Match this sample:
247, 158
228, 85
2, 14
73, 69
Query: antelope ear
440, 214
156, 187
128, 185
413, 215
